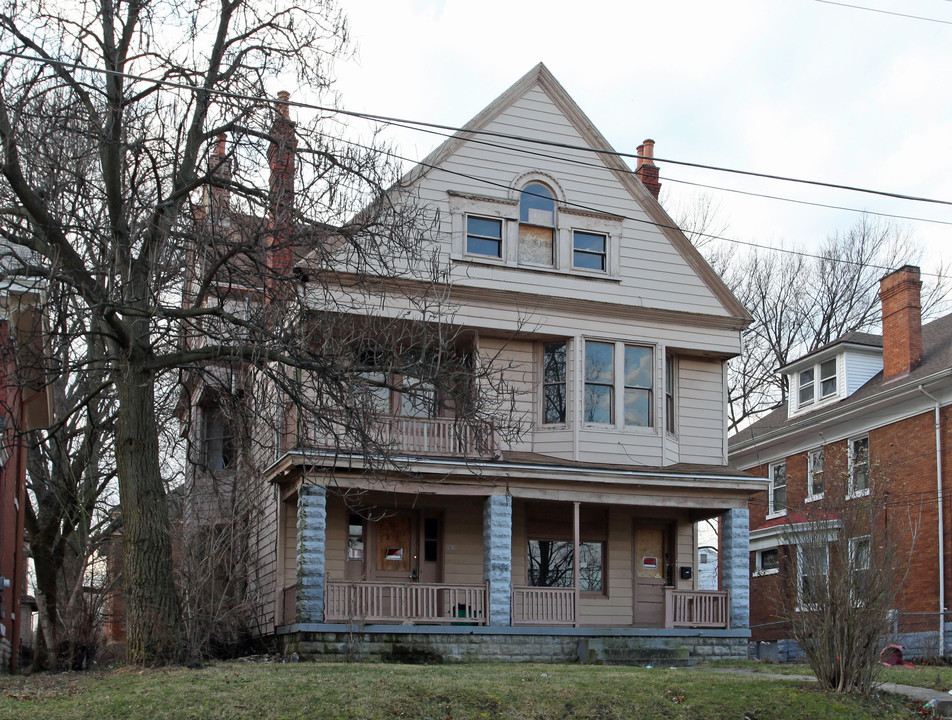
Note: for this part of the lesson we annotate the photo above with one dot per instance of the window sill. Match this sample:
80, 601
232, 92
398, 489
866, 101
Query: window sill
774, 515
813, 498
765, 573
857, 494
573, 273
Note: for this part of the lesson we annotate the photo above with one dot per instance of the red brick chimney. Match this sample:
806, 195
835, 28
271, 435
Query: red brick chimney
281, 154
219, 166
647, 171
902, 321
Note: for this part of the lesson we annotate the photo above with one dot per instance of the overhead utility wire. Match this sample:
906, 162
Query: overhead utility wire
509, 136
885, 12
585, 163
239, 96
582, 206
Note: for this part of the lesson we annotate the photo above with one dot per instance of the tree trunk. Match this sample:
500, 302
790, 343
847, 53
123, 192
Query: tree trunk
47, 575
151, 603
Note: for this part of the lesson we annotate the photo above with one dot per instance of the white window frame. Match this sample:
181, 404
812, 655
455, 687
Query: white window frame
817, 395
801, 606
852, 492
671, 373
567, 384
568, 220
759, 570
812, 456
772, 512
502, 237
619, 386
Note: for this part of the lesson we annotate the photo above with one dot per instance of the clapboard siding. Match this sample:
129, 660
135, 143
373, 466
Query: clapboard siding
702, 405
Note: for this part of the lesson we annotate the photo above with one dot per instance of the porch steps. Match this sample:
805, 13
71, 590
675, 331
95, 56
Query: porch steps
633, 651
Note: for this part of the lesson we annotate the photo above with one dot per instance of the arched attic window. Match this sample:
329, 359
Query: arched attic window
536, 224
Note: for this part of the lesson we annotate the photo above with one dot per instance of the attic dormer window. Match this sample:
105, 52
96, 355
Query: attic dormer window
817, 383
536, 225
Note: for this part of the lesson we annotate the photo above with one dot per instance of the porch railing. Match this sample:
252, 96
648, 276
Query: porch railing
543, 606
425, 436
408, 603
696, 608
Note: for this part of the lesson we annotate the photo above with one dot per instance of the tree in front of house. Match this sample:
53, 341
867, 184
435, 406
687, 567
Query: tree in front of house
845, 559
136, 138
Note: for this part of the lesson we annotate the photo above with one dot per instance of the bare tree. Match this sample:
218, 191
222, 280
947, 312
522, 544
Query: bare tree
802, 301
135, 136
846, 563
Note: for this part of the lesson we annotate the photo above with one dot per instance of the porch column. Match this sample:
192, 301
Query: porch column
311, 544
735, 564
497, 557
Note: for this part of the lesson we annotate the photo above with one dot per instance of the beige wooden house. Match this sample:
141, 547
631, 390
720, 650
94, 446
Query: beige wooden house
575, 536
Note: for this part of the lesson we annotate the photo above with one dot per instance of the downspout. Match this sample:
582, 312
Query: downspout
938, 480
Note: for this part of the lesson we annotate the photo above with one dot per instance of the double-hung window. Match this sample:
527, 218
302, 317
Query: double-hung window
536, 225
860, 549
589, 251
767, 562
617, 370
553, 383
777, 502
219, 447
813, 569
815, 474
816, 383
483, 236
859, 466
670, 382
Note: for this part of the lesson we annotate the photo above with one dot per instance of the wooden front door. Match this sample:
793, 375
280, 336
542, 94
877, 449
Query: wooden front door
408, 548
652, 563
394, 548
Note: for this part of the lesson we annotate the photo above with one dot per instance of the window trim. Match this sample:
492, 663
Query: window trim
543, 384
772, 512
670, 394
619, 386
602, 592
801, 606
759, 569
817, 396
603, 255
812, 495
501, 239
226, 452
852, 492
553, 228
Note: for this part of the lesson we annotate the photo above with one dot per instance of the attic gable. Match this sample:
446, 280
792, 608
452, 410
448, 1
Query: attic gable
534, 131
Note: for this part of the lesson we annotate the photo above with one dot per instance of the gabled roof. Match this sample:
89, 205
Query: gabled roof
541, 77
936, 357
851, 338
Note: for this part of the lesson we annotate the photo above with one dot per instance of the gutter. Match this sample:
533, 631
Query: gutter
498, 467
837, 413
941, 513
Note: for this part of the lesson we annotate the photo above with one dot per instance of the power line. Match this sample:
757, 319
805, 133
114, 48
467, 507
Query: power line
421, 163
884, 12
419, 123
584, 163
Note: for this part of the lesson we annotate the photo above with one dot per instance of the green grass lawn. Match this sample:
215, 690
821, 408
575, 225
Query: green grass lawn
935, 677
458, 692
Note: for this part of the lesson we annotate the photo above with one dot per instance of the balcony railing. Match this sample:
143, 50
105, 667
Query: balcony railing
417, 436
696, 608
407, 603
543, 606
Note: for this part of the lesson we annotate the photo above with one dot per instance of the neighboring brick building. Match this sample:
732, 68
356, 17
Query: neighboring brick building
24, 405
862, 404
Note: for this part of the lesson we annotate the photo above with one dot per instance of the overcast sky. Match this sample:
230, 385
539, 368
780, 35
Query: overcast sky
799, 88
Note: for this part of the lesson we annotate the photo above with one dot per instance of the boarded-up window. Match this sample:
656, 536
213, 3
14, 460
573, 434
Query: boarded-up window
536, 225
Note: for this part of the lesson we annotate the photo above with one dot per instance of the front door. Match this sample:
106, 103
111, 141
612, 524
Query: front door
652, 563
395, 549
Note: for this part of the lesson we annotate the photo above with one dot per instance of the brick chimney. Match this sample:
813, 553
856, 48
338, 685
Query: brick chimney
281, 154
219, 166
647, 171
902, 321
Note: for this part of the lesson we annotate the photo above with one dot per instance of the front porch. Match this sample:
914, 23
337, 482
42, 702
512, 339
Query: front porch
408, 603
